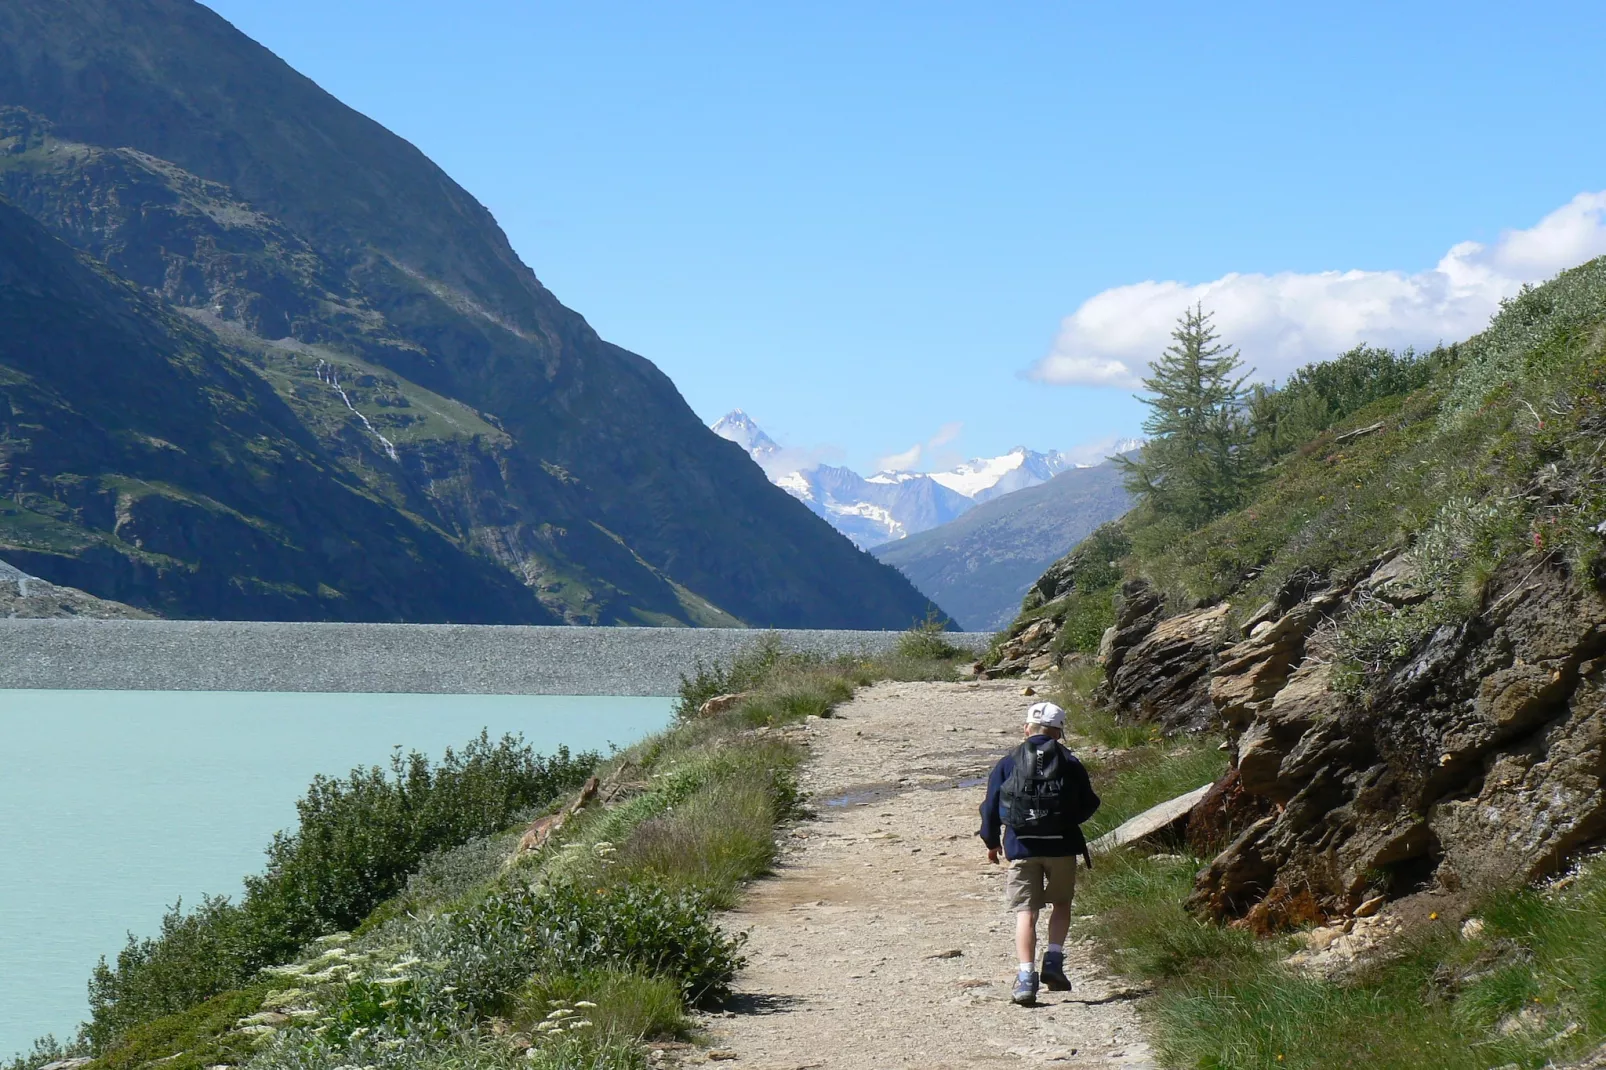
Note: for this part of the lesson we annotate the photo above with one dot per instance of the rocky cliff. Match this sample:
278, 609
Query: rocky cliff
396, 330
1402, 635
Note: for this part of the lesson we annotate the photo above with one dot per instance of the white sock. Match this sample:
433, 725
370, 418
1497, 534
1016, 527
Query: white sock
1025, 967
1056, 949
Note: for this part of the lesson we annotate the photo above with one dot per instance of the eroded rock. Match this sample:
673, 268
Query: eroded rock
1479, 760
1165, 676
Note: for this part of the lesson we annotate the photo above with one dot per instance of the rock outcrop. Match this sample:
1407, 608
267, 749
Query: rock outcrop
1478, 759
22, 595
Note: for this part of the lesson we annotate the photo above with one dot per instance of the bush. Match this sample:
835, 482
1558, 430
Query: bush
629, 1005
46, 1050
746, 672
641, 926
481, 956
358, 838
196, 956
1319, 395
928, 641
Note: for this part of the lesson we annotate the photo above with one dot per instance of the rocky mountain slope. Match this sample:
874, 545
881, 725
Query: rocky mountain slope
979, 566
891, 505
1402, 634
374, 315
22, 595
146, 463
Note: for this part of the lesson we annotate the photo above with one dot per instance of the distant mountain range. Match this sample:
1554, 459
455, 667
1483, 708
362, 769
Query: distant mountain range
979, 566
260, 358
890, 506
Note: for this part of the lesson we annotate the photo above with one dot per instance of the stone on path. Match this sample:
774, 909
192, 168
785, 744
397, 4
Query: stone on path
1151, 821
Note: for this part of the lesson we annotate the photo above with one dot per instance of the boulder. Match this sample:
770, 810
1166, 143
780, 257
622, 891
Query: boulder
722, 703
542, 829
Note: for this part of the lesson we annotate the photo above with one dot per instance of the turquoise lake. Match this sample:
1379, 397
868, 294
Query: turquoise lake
115, 804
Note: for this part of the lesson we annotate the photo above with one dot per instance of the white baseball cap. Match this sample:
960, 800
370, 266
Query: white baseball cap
1046, 714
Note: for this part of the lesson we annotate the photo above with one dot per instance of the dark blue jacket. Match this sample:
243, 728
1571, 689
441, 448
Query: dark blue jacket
1070, 842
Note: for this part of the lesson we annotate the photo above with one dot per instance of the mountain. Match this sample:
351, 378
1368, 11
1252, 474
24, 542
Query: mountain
978, 566
148, 464
367, 317
891, 505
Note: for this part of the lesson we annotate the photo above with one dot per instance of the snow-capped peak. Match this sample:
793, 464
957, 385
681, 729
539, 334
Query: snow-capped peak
739, 428
893, 504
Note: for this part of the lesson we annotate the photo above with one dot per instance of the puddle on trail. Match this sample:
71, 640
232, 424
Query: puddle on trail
869, 793
859, 796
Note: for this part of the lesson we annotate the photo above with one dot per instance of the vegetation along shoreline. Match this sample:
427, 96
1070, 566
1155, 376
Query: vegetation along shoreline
445, 913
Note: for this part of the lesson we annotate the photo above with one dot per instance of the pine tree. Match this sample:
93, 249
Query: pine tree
1196, 464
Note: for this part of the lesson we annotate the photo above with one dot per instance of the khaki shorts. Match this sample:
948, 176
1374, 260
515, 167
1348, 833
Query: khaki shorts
1033, 883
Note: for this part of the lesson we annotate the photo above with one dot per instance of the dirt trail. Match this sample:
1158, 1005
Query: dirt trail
882, 940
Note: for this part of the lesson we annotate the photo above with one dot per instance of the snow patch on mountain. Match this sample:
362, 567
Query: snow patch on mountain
739, 428
893, 505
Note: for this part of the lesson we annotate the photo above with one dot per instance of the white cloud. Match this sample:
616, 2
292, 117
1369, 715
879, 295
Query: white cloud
905, 461
945, 434
1283, 321
1100, 449
787, 459
901, 462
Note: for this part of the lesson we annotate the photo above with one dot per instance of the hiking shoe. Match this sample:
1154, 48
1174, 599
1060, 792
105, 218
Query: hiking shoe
1025, 992
1054, 978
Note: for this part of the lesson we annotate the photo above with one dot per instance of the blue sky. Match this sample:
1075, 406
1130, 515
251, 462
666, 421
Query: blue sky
864, 223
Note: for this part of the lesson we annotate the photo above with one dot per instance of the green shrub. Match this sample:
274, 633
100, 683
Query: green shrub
630, 1005
200, 1036
47, 1049
1085, 617
928, 641
1321, 394
640, 926
747, 671
358, 838
196, 955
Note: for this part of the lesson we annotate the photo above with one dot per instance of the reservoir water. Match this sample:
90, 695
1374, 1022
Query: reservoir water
115, 804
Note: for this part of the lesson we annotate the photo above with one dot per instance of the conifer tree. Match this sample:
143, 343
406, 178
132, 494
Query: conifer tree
1196, 464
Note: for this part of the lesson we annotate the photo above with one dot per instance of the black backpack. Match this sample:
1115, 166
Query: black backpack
1039, 798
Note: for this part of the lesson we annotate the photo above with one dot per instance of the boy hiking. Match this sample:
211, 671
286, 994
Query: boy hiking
1038, 795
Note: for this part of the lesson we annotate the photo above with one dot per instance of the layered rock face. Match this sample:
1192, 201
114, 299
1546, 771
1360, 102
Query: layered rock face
1478, 760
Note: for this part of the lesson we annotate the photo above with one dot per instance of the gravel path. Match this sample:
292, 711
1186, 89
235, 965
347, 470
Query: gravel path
882, 940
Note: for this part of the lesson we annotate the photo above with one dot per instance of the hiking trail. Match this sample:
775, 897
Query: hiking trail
881, 940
